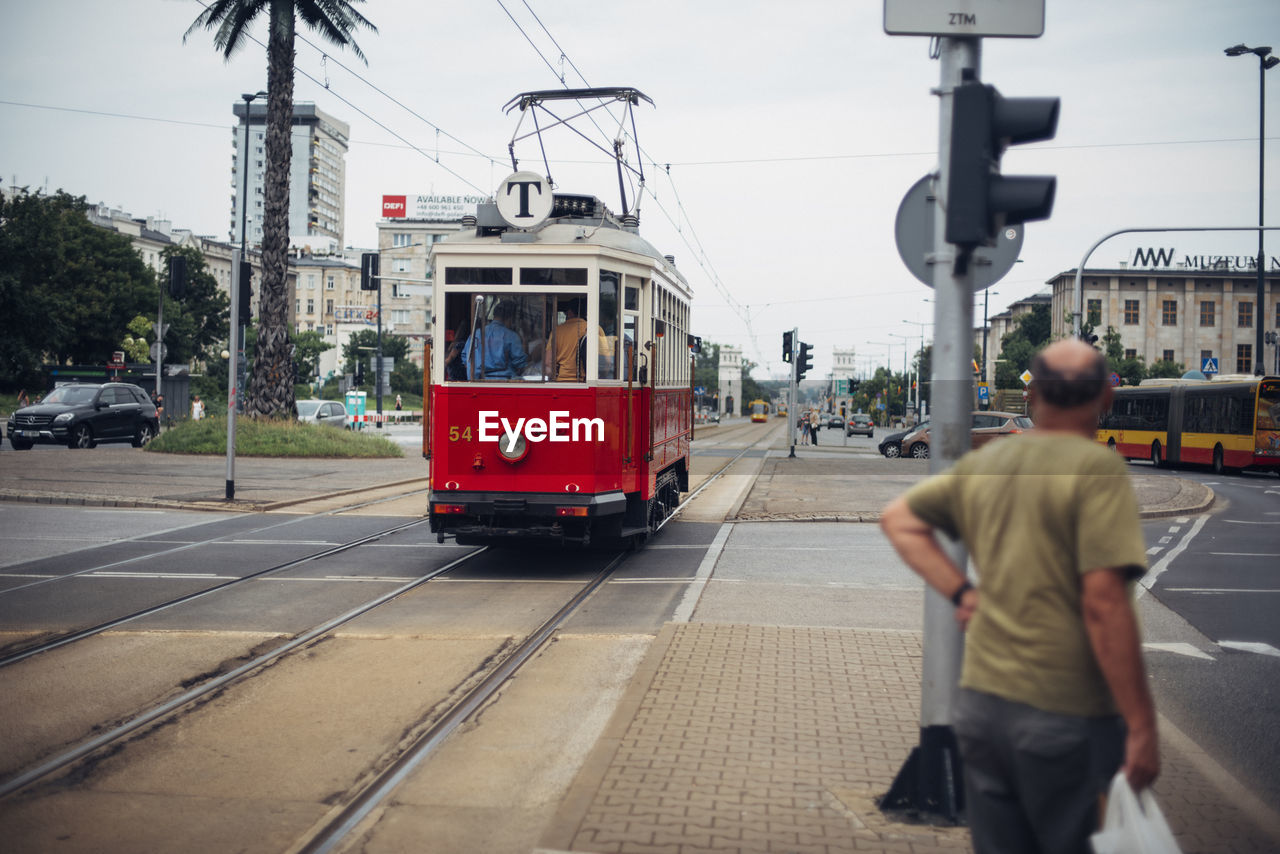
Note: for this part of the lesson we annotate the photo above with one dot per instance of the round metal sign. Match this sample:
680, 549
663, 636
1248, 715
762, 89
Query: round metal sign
913, 231
524, 199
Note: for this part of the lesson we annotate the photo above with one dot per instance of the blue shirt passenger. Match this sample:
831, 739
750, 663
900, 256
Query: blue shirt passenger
504, 355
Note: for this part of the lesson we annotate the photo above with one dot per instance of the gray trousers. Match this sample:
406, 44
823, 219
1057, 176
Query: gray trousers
1032, 778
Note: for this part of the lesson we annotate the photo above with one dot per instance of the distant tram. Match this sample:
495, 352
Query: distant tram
559, 402
759, 410
1227, 423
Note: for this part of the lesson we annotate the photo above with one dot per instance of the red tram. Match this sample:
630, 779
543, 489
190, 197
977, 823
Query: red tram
559, 395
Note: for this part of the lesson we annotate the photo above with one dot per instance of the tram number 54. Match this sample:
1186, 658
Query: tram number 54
459, 433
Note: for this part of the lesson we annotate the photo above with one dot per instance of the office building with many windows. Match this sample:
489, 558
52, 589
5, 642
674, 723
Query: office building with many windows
317, 176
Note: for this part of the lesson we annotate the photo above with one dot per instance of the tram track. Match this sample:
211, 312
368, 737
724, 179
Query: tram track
12, 656
359, 802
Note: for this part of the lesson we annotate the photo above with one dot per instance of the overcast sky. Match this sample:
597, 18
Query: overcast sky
786, 133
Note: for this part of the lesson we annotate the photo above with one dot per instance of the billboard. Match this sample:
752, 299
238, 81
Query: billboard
431, 208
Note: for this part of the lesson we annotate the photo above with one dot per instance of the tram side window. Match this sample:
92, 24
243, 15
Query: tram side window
506, 337
610, 315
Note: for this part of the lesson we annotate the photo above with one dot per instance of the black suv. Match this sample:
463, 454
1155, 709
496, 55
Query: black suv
80, 416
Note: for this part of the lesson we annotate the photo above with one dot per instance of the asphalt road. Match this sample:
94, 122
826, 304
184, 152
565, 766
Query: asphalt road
1212, 626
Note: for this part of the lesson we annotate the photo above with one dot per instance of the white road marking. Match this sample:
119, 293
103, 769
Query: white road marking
1149, 580
1155, 550
694, 592
1251, 646
1219, 590
198, 576
1179, 649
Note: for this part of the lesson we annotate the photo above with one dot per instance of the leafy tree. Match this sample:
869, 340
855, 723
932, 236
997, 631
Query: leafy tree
1131, 370
1020, 345
136, 344
364, 344
1166, 368
306, 354
69, 288
199, 320
270, 390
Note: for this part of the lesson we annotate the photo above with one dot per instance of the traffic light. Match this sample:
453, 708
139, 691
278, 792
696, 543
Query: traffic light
359, 373
246, 293
980, 201
369, 271
804, 360
787, 348
177, 276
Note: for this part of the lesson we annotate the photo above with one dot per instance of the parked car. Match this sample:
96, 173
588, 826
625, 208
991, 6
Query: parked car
80, 415
331, 412
835, 422
860, 423
987, 426
891, 445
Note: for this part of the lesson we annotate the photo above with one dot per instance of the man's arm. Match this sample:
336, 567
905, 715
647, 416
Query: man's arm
1113, 634
914, 540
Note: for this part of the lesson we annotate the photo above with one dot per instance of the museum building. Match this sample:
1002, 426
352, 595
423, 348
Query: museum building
1203, 308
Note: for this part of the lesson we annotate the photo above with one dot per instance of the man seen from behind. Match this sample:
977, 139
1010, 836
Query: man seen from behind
1053, 697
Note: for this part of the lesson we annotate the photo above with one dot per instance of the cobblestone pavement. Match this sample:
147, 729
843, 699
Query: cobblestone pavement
775, 739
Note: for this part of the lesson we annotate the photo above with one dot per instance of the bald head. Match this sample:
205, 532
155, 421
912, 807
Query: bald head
1069, 374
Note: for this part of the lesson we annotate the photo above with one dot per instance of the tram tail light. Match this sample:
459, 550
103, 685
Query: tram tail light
446, 509
571, 511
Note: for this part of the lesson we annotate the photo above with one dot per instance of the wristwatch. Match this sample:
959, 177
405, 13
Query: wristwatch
955, 597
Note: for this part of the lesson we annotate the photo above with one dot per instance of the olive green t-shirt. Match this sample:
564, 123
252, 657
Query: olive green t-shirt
1036, 512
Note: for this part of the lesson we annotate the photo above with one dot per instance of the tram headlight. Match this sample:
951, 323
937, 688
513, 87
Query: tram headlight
513, 453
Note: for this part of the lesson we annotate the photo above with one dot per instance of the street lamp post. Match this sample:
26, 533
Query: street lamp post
235, 384
906, 377
1265, 61
919, 378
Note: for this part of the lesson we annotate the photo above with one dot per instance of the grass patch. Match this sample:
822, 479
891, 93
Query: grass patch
267, 438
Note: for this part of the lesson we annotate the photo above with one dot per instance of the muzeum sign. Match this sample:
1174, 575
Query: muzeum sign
1163, 259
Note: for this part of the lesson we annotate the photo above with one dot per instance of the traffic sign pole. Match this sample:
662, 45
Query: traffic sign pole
930, 780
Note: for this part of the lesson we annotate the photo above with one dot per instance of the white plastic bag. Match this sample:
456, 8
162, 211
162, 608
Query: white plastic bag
1134, 823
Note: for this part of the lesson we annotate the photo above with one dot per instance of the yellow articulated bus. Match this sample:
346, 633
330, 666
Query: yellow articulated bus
759, 410
1227, 423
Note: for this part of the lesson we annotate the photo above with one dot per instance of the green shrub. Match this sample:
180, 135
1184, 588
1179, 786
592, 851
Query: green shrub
268, 438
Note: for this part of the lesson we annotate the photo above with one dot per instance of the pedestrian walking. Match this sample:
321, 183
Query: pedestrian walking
399, 405
804, 429
197, 408
814, 424
23, 400
1053, 698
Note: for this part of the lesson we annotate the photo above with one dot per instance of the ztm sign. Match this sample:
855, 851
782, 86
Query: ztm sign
998, 18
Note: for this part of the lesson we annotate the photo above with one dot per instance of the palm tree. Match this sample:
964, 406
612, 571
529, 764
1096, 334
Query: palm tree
270, 391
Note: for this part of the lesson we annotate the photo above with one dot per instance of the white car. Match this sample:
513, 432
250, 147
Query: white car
331, 412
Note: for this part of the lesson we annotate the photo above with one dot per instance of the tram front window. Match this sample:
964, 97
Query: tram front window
505, 337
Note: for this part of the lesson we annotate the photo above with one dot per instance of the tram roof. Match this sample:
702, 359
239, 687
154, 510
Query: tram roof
572, 229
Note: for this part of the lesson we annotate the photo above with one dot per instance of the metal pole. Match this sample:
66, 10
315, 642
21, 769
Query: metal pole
792, 404
160, 340
1258, 364
930, 780
378, 370
233, 366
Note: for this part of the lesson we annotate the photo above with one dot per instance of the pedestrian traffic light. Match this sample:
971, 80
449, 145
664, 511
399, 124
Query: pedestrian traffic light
980, 201
177, 276
787, 348
246, 293
369, 271
804, 360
